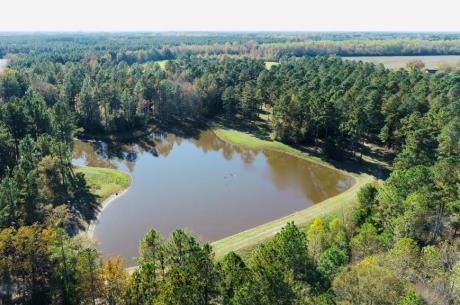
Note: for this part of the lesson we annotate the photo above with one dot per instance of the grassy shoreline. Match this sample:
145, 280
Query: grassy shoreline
249, 140
107, 184
245, 241
104, 182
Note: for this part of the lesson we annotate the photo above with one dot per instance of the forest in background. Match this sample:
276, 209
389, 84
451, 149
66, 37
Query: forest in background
398, 245
142, 47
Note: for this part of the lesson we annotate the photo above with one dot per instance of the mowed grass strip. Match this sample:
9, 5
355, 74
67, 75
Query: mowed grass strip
252, 142
245, 241
104, 182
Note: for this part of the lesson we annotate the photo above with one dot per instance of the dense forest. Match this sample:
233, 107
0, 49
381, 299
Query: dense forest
399, 244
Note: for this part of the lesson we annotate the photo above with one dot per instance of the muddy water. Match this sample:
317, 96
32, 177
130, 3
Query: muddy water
212, 188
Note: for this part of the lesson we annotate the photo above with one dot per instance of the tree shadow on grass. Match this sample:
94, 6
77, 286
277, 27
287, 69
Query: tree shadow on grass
187, 129
377, 163
259, 128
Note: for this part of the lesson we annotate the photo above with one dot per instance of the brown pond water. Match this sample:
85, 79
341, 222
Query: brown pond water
212, 188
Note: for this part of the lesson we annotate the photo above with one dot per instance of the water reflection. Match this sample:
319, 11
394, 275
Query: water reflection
111, 154
213, 188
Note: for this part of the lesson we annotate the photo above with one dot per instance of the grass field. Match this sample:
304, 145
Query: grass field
245, 241
396, 62
3, 63
251, 141
270, 64
104, 181
162, 63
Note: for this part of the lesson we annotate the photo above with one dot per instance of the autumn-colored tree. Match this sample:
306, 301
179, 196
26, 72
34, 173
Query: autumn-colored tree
367, 283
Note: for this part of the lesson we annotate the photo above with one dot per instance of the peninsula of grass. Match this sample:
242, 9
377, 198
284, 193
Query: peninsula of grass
104, 182
245, 241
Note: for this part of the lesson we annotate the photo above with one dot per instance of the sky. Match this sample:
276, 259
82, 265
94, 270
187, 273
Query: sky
229, 15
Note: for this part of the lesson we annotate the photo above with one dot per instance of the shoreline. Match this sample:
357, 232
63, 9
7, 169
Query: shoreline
104, 204
243, 242
117, 137
106, 184
275, 146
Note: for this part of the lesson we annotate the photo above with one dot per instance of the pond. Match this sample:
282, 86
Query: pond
203, 184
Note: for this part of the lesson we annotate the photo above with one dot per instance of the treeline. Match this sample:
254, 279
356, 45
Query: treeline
108, 96
141, 47
323, 101
42, 201
356, 260
42, 265
37, 181
342, 104
348, 47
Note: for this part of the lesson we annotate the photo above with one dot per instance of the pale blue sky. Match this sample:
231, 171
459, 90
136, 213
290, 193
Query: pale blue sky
230, 15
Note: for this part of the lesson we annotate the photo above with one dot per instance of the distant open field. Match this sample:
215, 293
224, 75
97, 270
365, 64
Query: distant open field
163, 63
270, 64
3, 63
396, 62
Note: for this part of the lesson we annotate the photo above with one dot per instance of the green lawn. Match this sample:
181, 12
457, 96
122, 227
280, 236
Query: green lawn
162, 63
253, 142
104, 181
245, 241
270, 64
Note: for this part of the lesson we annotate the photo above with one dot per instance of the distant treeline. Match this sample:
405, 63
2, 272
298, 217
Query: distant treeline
354, 47
142, 47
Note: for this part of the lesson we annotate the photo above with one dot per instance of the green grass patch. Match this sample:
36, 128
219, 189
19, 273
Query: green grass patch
104, 182
251, 141
270, 64
162, 63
